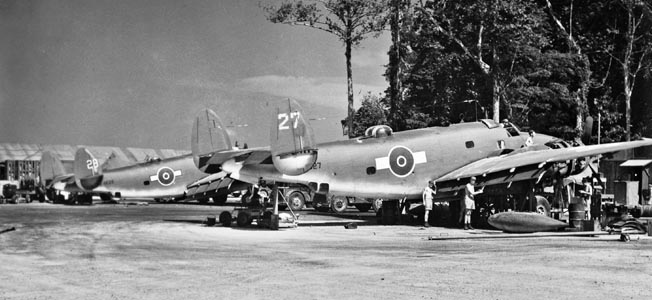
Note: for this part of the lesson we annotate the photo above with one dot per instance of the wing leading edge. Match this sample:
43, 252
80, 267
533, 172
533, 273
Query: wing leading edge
526, 165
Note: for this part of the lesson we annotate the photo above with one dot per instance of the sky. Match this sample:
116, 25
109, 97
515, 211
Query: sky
134, 73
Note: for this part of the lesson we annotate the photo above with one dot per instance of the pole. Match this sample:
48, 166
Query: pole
273, 224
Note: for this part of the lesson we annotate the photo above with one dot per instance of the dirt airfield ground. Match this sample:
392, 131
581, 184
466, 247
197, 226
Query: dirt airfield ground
164, 252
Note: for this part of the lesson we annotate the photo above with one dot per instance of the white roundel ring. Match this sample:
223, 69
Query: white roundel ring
401, 161
165, 176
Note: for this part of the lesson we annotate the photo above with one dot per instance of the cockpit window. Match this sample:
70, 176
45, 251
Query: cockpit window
489, 123
512, 130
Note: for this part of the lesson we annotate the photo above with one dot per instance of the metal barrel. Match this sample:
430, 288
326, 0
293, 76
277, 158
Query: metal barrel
576, 213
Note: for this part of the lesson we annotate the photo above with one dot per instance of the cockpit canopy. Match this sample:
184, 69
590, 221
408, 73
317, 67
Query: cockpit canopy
378, 131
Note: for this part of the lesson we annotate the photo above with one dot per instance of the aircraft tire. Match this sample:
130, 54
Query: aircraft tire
243, 219
543, 206
296, 200
226, 219
220, 199
339, 204
363, 207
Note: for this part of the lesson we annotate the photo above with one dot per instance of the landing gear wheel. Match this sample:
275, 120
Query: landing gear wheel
296, 200
106, 197
339, 204
363, 207
243, 219
543, 206
226, 219
220, 199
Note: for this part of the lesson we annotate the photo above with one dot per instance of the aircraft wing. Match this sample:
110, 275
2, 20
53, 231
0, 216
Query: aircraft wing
212, 161
207, 179
525, 165
66, 179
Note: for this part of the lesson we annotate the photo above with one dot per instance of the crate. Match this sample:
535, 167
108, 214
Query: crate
626, 193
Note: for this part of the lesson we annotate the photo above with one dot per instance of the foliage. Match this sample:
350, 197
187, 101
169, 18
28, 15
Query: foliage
547, 64
371, 112
350, 20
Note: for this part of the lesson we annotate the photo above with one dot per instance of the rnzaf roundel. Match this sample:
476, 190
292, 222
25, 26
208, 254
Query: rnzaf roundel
165, 176
401, 161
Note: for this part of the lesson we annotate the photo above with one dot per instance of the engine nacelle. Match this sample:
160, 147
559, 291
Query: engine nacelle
295, 163
573, 166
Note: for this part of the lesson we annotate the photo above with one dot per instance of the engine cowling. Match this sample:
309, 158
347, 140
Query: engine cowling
570, 167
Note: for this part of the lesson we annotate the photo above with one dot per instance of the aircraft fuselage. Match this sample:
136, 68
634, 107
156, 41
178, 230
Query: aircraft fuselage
166, 178
395, 166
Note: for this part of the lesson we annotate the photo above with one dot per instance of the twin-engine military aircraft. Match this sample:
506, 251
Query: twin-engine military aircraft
384, 164
166, 179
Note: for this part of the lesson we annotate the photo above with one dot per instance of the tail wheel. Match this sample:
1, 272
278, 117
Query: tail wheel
339, 204
296, 200
543, 206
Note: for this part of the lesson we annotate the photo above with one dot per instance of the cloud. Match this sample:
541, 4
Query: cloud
329, 91
369, 58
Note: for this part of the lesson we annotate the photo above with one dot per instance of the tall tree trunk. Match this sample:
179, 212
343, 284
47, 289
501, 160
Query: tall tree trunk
394, 66
349, 83
628, 105
496, 98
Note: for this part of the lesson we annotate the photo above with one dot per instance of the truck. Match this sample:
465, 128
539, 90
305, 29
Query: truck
298, 197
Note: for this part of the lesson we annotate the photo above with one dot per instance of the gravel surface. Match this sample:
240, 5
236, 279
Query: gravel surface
165, 252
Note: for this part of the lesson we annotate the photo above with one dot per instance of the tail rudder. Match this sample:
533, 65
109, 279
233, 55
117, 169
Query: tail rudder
208, 135
50, 167
88, 174
292, 142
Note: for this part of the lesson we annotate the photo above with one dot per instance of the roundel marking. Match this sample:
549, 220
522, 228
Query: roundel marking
401, 161
165, 176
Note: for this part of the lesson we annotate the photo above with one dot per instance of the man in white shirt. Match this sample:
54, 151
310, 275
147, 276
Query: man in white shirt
427, 195
469, 201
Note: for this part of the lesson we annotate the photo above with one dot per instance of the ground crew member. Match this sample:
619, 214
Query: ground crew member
530, 139
428, 193
469, 202
586, 194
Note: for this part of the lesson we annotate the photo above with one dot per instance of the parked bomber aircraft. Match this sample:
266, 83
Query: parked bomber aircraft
166, 179
388, 165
